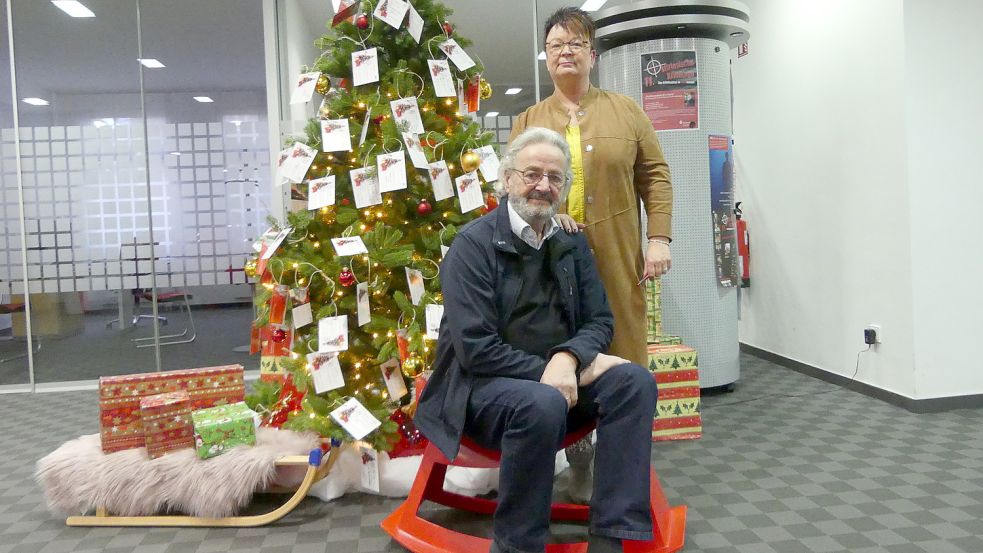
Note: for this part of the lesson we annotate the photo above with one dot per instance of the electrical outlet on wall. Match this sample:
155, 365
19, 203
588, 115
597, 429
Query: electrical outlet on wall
878, 332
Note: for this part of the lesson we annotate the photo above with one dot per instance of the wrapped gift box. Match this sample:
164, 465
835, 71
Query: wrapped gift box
676, 369
653, 309
221, 428
119, 399
166, 420
666, 341
273, 354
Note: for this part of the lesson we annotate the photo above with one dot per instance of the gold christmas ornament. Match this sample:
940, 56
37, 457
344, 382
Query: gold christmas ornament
484, 89
250, 268
412, 366
323, 84
470, 161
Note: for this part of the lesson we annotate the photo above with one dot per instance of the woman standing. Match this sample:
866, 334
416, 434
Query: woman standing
617, 161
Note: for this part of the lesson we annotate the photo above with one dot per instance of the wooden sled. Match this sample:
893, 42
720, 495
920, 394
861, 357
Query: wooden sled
317, 468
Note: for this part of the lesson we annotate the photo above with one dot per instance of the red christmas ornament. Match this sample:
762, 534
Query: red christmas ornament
362, 22
411, 441
346, 278
424, 208
344, 201
448, 28
279, 335
378, 120
491, 202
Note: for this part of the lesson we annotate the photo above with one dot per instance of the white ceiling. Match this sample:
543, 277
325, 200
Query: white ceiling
57, 54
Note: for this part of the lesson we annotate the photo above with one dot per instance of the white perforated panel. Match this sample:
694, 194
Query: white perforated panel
694, 306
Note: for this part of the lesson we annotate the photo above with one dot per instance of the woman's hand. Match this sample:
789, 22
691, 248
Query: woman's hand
567, 223
658, 260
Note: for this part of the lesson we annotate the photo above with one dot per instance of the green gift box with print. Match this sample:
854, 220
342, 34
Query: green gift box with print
219, 429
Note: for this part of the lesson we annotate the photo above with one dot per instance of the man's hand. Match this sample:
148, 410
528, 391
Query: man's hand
561, 373
567, 223
601, 364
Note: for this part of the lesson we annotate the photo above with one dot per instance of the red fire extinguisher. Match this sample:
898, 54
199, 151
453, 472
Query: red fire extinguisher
743, 246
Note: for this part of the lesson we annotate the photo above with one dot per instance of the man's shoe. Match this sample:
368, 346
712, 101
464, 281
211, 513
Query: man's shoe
581, 458
603, 544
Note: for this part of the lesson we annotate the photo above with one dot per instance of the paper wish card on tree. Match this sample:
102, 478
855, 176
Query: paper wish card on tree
392, 171
277, 240
413, 146
362, 303
392, 12
469, 192
335, 135
298, 160
332, 334
406, 112
325, 371
440, 178
304, 88
457, 54
434, 313
393, 379
414, 280
320, 192
355, 419
369, 475
348, 246
302, 315
489, 163
443, 83
365, 187
365, 66
415, 24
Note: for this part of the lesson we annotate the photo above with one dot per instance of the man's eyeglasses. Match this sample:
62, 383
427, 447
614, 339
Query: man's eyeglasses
576, 46
534, 176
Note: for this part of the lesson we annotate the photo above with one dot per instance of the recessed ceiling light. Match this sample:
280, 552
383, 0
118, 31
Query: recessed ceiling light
151, 63
175, 153
542, 55
491, 114
512, 91
73, 8
36, 101
98, 123
204, 99
593, 5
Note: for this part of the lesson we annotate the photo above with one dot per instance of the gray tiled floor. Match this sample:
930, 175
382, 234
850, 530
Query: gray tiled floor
827, 470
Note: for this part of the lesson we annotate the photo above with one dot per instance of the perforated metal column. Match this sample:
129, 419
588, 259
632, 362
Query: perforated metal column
694, 306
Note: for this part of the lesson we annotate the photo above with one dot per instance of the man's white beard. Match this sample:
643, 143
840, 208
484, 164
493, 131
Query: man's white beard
533, 214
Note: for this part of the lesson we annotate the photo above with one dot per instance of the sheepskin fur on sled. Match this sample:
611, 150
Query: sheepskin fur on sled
78, 476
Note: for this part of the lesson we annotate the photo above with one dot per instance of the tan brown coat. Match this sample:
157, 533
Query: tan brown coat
623, 163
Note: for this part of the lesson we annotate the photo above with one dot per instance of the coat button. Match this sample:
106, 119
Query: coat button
590, 199
590, 148
580, 113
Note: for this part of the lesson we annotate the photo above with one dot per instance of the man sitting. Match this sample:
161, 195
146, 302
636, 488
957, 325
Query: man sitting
519, 360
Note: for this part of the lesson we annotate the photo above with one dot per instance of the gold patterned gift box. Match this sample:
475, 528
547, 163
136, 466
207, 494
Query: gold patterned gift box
676, 370
120, 426
166, 420
653, 309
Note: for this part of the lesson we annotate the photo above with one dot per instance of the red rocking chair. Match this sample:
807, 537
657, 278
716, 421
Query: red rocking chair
422, 536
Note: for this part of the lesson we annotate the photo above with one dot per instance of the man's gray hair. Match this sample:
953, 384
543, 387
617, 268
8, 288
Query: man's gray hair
530, 137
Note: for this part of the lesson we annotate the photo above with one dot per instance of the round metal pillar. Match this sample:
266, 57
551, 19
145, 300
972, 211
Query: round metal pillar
695, 306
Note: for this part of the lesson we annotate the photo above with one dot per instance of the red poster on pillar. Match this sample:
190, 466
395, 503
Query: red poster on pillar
670, 90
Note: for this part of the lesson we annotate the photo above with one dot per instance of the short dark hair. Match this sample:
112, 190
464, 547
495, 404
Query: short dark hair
574, 20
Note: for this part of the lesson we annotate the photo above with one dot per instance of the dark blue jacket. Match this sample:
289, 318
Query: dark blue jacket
480, 280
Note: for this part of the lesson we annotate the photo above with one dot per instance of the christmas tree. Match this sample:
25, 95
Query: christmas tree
387, 172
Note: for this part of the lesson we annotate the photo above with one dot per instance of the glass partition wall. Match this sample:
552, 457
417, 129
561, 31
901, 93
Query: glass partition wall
135, 167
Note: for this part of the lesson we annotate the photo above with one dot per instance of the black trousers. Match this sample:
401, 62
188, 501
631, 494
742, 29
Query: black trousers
527, 421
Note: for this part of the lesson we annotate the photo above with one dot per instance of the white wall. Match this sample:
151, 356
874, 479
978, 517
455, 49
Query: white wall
820, 133
945, 81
